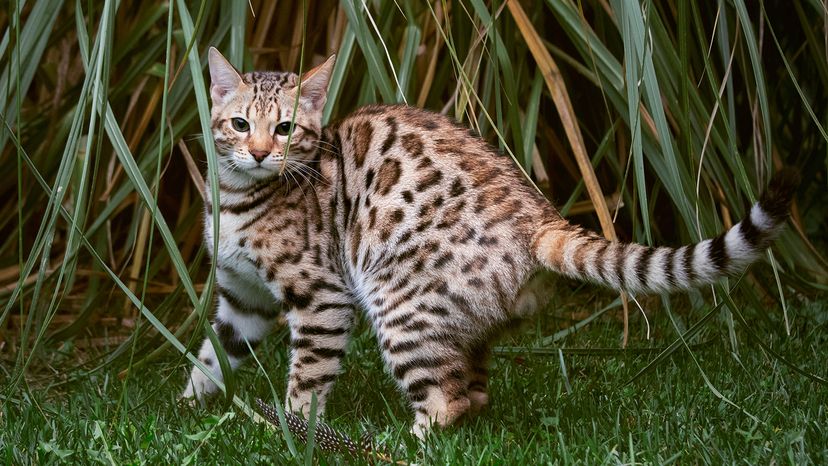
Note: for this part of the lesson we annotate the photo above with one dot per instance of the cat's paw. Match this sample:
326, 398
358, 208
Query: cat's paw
478, 400
301, 406
420, 430
198, 388
442, 416
455, 410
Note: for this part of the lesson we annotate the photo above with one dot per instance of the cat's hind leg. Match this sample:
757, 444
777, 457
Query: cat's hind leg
478, 377
532, 296
428, 362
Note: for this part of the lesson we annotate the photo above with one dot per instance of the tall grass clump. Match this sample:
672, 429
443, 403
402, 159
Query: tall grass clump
655, 122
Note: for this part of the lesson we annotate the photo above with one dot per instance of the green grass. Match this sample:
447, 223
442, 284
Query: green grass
669, 415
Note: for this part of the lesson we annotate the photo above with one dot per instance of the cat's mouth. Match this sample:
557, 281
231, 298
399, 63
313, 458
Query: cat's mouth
260, 171
256, 169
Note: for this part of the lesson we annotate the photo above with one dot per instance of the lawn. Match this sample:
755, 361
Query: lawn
702, 404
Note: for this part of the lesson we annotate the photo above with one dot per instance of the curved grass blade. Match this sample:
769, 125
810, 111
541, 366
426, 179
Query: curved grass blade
679, 342
735, 309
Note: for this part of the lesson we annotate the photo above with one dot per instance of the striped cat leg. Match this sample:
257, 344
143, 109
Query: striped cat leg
478, 377
427, 362
239, 321
320, 327
533, 295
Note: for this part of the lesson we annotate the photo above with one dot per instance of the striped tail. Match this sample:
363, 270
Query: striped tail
577, 253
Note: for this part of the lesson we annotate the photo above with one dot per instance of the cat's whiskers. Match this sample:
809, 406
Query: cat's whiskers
309, 182
298, 183
326, 149
297, 167
225, 168
322, 141
309, 177
229, 165
312, 172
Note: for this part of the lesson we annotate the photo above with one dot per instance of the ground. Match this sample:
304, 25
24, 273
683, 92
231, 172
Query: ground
539, 415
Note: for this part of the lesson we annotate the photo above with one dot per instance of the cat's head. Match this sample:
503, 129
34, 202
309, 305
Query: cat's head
252, 114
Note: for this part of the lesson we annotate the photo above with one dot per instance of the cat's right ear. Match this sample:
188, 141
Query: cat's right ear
224, 79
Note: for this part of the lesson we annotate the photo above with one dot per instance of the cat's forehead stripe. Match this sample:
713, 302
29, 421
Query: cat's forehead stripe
268, 79
266, 87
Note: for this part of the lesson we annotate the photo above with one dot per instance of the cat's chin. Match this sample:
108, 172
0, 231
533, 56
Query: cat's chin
261, 173
242, 176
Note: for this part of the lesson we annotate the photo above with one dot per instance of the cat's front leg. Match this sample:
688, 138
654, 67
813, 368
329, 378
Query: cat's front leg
243, 319
320, 327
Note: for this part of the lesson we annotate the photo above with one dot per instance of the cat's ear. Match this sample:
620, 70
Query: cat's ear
224, 79
315, 83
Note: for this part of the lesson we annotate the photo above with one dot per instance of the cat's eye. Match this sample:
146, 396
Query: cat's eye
283, 128
240, 124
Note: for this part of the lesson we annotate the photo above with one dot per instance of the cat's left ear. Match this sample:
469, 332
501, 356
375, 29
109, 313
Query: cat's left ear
315, 83
224, 79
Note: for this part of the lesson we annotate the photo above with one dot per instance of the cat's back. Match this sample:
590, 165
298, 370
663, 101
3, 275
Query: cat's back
403, 155
426, 196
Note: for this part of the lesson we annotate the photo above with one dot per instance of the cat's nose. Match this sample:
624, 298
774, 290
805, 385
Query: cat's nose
259, 155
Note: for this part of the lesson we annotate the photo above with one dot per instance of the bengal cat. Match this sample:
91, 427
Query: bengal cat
410, 217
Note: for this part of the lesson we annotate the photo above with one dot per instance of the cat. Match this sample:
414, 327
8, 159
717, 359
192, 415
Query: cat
409, 216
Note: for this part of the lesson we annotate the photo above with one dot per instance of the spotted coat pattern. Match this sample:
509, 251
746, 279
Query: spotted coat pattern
408, 216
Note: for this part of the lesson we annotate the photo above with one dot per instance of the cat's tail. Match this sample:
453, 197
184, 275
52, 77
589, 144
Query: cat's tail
577, 253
